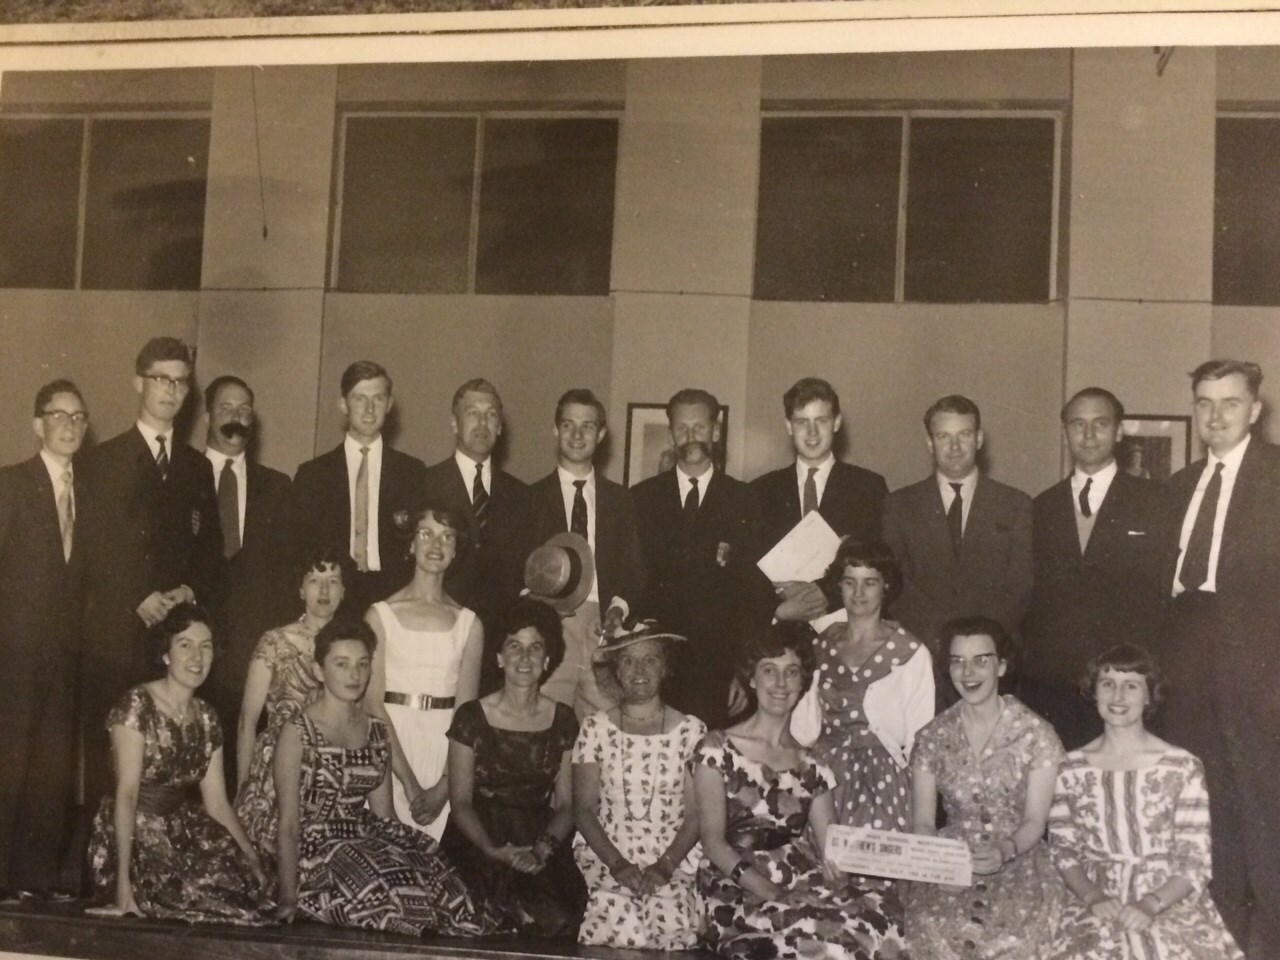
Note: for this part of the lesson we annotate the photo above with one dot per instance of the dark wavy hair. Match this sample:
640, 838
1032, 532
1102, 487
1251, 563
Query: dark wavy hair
342, 628
874, 554
407, 526
775, 640
160, 636
317, 558
527, 612
1126, 658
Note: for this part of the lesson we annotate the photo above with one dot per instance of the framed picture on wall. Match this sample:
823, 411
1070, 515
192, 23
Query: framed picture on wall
649, 450
1155, 446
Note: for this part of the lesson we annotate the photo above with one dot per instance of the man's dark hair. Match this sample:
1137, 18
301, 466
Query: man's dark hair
1217, 369
952, 403
584, 397
690, 396
360, 371
160, 349
1094, 393
475, 385
806, 390
226, 380
52, 389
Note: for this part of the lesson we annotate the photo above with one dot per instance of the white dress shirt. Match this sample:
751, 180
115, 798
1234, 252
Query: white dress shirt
468, 468
241, 471
1098, 492
819, 479
567, 490
352, 449
967, 486
684, 483
1230, 470
150, 436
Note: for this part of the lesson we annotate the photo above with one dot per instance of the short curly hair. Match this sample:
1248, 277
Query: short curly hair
160, 636
775, 640
874, 554
342, 628
1126, 658
527, 612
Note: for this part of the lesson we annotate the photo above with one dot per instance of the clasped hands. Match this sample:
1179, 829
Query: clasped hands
643, 881
426, 804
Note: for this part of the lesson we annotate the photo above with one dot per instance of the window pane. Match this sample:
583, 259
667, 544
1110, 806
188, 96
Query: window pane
144, 213
406, 204
827, 217
39, 202
979, 210
546, 206
1246, 221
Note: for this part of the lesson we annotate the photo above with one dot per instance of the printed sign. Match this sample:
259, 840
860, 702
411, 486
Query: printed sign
903, 856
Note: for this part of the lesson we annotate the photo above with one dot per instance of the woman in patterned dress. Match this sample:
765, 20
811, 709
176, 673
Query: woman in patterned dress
154, 850
635, 809
1129, 831
768, 894
280, 680
342, 856
994, 762
510, 787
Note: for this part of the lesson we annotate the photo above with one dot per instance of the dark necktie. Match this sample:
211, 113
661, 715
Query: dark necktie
229, 509
1085, 509
955, 518
1195, 562
162, 459
691, 502
810, 502
480, 499
578, 515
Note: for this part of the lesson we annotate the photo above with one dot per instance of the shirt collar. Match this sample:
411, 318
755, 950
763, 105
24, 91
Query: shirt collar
1231, 462
567, 479
1101, 479
824, 468
151, 436
54, 467
217, 457
967, 485
352, 445
703, 481
469, 466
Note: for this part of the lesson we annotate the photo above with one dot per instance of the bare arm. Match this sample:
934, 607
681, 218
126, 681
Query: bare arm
380, 798
658, 874
256, 685
287, 768
586, 806
709, 787
924, 801
462, 769
469, 667
127, 747
560, 826
213, 791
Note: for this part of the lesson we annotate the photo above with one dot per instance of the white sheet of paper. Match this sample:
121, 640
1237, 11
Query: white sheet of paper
804, 553
903, 856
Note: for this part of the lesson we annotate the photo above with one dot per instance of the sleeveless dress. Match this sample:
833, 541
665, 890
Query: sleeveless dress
183, 864
422, 661
289, 653
356, 869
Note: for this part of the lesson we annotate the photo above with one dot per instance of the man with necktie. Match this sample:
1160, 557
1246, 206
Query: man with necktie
41, 503
1221, 644
357, 496
962, 539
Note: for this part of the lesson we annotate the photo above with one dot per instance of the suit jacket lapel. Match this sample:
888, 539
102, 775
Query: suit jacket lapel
46, 503
935, 514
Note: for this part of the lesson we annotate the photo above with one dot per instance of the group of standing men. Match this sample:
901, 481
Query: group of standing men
97, 546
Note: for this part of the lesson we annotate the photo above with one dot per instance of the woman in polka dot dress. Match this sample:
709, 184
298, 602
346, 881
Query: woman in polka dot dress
875, 684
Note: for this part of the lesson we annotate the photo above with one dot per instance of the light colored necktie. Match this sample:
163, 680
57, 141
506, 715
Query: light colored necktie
361, 552
67, 512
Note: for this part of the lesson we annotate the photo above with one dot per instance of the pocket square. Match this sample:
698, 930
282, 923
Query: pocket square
1136, 533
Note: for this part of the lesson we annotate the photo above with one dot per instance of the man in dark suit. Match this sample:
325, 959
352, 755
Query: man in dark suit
361, 496
1221, 643
152, 540
253, 511
40, 596
1097, 537
574, 498
849, 498
963, 540
700, 532
489, 570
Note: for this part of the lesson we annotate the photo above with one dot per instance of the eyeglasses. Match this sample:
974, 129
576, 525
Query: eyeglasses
426, 535
180, 384
61, 418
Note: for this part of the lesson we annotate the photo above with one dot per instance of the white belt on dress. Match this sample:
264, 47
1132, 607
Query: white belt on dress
418, 701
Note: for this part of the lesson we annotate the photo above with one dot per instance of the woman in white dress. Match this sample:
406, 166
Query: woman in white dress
427, 662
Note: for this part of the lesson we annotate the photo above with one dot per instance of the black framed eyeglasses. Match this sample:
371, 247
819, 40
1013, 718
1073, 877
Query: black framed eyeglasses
173, 383
61, 417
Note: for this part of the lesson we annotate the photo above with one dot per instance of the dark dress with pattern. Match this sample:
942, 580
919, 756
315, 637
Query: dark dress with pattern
515, 777
766, 815
184, 864
356, 869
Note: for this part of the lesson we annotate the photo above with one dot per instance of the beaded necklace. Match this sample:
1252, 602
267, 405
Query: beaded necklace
653, 787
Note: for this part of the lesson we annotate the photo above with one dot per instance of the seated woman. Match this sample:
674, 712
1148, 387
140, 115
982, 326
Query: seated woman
154, 850
767, 891
1129, 831
510, 787
343, 858
634, 805
994, 762
280, 680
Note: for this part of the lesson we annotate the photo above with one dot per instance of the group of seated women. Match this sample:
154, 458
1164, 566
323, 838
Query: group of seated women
383, 794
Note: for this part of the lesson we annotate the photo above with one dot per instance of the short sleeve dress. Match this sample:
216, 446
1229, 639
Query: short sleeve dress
641, 807
288, 652
515, 778
1130, 830
184, 864
1009, 915
766, 815
356, 869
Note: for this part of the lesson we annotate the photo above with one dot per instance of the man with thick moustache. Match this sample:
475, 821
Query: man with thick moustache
849, 498
1221, 643
575, 498
700, 532
253, 511
962, 539
1098, 538
356, 497
489, 569
152, 540
41, 505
